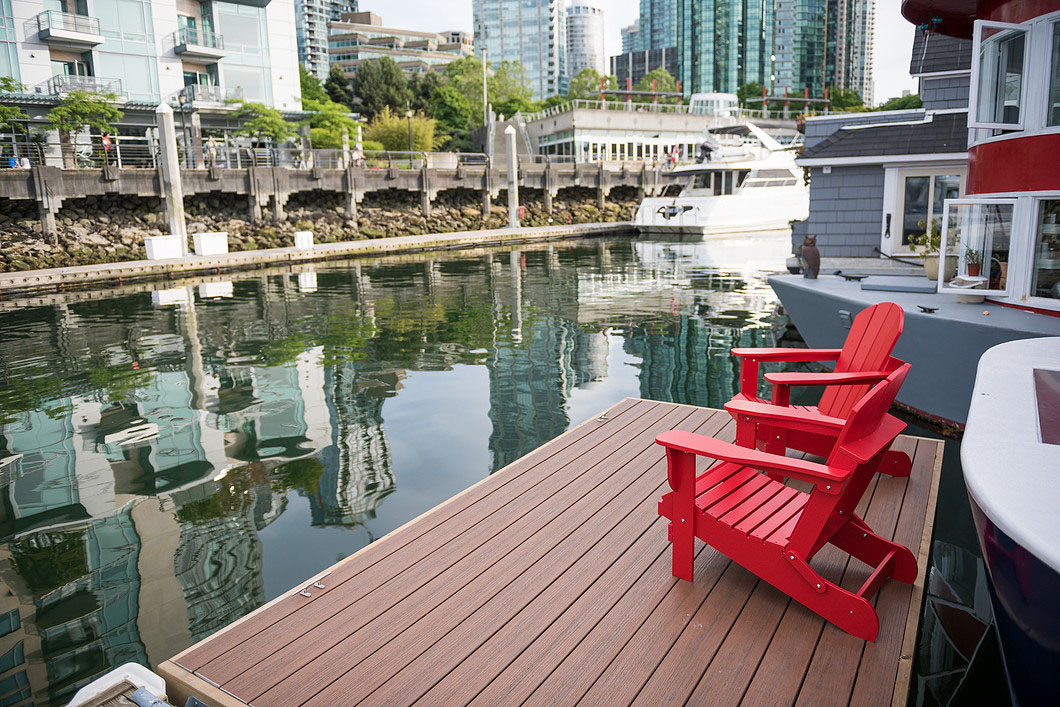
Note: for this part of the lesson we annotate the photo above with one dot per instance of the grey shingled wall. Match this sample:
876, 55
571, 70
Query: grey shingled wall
943, 93
846, 210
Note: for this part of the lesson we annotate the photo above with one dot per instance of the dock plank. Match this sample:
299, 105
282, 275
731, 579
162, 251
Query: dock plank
549, 582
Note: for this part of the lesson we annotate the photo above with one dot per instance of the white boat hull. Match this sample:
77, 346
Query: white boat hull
751, 211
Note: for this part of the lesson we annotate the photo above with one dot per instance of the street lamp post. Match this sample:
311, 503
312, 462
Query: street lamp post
408, 117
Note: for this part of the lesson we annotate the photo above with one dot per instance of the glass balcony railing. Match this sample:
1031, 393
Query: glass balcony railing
66, 21
197, 93
91, 84
197, 37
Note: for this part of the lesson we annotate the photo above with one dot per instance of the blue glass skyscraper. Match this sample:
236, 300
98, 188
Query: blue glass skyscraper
531, 32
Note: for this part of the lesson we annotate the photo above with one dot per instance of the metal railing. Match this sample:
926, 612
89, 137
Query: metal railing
53, 19
198, 93
88, 152
629, 107
61, 84
198, 37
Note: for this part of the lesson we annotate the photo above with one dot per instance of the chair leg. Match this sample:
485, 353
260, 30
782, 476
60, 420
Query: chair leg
859, 540
681, 472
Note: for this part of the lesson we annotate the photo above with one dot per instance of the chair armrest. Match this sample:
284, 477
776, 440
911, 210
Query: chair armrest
786, 418
808, 379
788, 354
689, 442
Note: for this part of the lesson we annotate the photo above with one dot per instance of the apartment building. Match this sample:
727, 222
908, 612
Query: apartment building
359, 37
147, 52
311, 22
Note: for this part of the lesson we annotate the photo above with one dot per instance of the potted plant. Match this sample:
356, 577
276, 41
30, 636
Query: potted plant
930, 242
973, 261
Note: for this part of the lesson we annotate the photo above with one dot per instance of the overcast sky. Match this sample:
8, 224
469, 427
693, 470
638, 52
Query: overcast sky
894, 36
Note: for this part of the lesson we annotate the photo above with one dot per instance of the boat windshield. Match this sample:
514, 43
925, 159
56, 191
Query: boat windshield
772, 178
719, 181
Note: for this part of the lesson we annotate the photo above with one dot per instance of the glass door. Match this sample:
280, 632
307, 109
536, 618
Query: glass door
921, 195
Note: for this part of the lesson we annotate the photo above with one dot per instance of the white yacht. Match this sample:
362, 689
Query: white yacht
746, 182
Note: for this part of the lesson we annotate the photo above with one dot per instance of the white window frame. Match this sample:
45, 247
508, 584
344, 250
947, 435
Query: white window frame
1032, 225
1015, 251
973, 93
894, 197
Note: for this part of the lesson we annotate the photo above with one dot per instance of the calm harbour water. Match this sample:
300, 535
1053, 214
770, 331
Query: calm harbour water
171, 460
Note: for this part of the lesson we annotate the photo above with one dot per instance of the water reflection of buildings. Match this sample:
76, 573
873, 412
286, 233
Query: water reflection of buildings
132, 499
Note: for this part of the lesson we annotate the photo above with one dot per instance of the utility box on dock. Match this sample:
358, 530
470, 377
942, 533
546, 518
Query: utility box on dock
162, 247
303, 240
210, 243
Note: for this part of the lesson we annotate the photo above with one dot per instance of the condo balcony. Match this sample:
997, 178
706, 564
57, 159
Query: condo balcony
195, 43
210, 96
62, 85
65, 29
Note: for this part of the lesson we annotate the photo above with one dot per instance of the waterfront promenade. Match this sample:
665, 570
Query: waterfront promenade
549, 583
74, 277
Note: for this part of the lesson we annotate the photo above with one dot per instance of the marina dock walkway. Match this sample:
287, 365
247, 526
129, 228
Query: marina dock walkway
549, 583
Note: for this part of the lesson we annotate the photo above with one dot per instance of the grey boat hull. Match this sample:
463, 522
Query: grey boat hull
944, 347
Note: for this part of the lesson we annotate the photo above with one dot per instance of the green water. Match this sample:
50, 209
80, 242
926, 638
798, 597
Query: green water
172, 460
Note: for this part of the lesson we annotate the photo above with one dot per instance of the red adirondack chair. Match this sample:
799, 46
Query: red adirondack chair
774, 530
864, 360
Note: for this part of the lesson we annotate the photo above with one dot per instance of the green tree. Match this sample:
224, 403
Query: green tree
337, 86
465, 75
311, 86
903, 103
392, 131
80, 110
9, 117
451, 109
379, 84
845, 100
586, 85
327, 121
421, 91
261, 122
9, 85
508, 84
748, 93
664, 83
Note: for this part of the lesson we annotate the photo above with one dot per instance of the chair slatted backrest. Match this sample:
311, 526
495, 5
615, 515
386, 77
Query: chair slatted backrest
872, 337
867, 432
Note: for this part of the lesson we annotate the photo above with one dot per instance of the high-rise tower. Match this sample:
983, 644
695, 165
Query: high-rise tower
531, 32
311, 26
585, 37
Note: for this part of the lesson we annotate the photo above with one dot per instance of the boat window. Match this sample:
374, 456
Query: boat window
975, 240
728, 181
1001, 61
672, 190
703, 181
742, 177
1045, 274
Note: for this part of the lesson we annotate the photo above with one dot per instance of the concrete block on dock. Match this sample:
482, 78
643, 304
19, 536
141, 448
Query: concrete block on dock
210, 243
303, 240
162, 247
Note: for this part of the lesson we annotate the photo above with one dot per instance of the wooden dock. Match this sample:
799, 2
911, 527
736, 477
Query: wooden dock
549, 583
